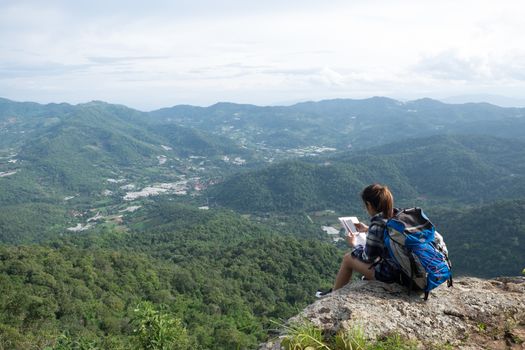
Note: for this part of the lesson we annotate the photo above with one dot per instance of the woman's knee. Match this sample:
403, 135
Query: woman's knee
348, 259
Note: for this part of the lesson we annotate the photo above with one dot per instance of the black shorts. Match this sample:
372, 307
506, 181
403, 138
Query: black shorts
385, 271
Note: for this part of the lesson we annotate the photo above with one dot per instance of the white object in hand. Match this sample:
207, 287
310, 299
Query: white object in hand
348, 223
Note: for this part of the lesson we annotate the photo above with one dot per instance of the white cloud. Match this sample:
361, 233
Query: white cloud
488, 68
201, 52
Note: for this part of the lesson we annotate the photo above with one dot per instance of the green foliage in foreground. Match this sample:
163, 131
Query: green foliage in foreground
152, 330
157, 330
222, 276
306, 336
90, 294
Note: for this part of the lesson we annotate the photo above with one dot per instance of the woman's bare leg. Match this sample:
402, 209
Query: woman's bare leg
348, 266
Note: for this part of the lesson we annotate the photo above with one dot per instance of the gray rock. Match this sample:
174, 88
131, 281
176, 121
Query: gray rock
474, 313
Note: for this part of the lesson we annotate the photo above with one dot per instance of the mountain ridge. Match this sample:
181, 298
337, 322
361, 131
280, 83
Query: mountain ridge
387, 101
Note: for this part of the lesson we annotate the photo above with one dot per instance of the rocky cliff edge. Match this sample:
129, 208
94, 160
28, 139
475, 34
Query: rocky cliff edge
473, 314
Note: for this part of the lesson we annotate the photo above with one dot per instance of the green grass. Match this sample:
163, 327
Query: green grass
354, 339
394, 342
306, 336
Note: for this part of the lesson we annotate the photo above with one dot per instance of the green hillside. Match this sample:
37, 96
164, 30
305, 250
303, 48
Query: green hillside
223, 276
188, 141
79, 153
486, 240
65, 149
31, 222
18, 120
462, 168
436, 170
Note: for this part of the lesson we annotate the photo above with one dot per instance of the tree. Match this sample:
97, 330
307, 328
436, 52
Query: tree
157, 330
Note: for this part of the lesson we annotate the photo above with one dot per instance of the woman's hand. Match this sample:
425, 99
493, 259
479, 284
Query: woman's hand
351, 239
361, 227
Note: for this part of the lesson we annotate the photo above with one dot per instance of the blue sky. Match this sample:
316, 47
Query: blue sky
155, 54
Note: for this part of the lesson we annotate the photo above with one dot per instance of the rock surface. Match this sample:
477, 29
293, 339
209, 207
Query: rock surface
473, 314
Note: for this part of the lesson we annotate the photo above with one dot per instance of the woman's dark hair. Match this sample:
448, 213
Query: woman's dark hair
380, 198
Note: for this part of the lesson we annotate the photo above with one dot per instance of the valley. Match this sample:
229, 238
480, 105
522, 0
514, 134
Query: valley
226, 216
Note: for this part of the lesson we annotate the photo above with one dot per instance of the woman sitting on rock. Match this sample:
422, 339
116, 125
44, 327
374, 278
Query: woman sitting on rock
372, 259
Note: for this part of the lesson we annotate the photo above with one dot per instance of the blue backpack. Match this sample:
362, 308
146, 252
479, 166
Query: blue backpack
418, 250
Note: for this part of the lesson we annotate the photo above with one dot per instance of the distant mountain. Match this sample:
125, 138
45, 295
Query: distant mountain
190, 141
497, 100
28, 110
63, 148
79, 151
338, 123
18, 120
434, 170
344, 122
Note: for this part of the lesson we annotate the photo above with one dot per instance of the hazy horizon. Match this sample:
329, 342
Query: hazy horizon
500, 101
168, 53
